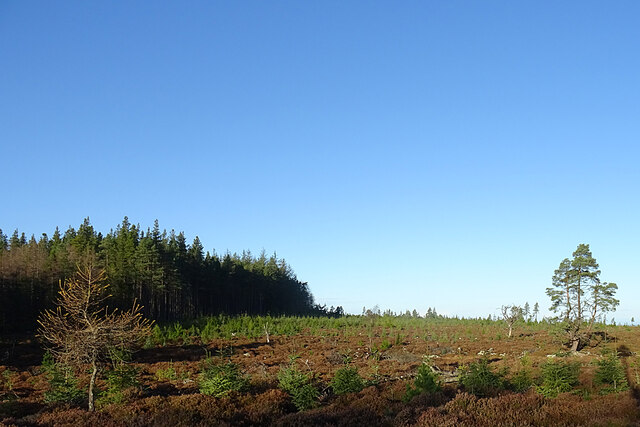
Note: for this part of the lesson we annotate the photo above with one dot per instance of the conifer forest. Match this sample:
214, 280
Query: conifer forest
171, 278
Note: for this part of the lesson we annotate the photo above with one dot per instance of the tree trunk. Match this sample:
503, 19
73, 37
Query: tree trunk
92, 383
568, 315
575, 342
510, 330
579, 292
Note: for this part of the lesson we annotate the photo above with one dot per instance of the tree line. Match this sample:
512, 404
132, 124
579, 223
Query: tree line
172, 279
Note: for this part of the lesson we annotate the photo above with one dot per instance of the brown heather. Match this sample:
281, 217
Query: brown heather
176, 401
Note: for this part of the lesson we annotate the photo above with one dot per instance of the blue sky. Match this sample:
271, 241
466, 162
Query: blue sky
410, 155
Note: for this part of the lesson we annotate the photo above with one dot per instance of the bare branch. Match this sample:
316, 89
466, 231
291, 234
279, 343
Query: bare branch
82, 331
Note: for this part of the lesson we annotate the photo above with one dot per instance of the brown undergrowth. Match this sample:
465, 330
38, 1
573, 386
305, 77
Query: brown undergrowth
387, 359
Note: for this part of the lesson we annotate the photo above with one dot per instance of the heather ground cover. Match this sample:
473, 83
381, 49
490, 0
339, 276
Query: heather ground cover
353, 370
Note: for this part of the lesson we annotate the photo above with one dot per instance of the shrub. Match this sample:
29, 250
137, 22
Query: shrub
167, 374
290, 378
6, 387
219, 380
558, 377
611, 374
298, 385
157, 337
305, 397
479, 379
121, 378
425, 382
63, 385
522, 381
347, 380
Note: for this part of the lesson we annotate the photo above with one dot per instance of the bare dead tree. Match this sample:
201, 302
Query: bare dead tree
82, 331
267, 331
511, 314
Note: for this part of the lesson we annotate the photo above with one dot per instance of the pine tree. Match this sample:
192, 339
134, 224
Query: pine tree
561, 293
149, 276
155, 233
86, 241
4, 243
585, 275
602, 300
577, 292
15, 242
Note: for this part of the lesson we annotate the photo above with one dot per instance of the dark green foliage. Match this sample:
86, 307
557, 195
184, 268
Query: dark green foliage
347, 380
63, 385
6, 383
479, 379
610, 374
171, 279
119, 379
578, 295
305, 397
298, 385
385, 345
169, 373
425, 382
290, 378
558, 377
521, 381
4, 243
218, 380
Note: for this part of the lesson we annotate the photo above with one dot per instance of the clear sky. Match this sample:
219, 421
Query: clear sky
407, 154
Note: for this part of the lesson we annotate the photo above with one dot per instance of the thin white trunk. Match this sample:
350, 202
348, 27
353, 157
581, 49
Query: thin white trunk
92, 383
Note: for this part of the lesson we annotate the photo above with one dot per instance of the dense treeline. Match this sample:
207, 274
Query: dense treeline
172, 279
